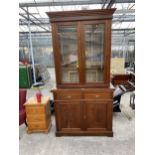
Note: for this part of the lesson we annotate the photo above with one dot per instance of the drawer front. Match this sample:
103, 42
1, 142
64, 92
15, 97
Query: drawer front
40, 125
35, 118
68, 95
97, 95
35, 110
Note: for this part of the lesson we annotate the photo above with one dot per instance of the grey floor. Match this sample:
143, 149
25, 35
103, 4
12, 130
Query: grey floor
123, 142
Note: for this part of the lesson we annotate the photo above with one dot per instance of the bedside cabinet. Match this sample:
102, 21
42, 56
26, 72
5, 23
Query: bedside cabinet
38, 115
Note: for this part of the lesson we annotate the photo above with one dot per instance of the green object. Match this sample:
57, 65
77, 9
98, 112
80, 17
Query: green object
25, 76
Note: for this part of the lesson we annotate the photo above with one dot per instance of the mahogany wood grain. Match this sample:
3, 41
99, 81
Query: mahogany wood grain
82, 15
81, 52
56, 52
88, 113
69, 115
83, 108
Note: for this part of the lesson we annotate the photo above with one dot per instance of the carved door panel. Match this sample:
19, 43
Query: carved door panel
69, 115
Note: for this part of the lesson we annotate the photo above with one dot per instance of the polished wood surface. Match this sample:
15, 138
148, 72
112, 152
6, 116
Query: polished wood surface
83, 107
83, 110
38, 115
120, 79
57, 21
125, 81
82, 15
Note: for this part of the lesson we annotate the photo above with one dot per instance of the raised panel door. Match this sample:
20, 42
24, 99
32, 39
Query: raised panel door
96, 113
69, 115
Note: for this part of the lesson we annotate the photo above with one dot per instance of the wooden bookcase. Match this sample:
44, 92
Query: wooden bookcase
82, 52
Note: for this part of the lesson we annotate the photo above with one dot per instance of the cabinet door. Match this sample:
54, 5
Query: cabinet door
68, 115
98, 115
68, 45
94, 53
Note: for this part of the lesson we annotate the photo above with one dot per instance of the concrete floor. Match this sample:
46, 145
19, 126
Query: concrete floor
123, 142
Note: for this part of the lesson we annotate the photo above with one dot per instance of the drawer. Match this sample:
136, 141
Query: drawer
35, 110
68, 95
97, 95
36, 118
40, 125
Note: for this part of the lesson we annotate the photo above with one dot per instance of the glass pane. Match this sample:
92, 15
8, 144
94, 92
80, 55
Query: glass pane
69, 53
94, 40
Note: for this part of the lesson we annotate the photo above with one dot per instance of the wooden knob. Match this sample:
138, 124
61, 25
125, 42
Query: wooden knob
68, 96
97, 96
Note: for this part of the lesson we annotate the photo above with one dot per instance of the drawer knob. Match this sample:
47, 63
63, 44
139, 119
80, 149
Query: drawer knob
97, 96
68, 96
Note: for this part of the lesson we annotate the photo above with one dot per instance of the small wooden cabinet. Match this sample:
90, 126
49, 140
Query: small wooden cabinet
82, 52
38, 115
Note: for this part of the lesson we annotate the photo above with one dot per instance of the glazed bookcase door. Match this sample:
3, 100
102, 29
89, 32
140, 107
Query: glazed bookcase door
94, 52
68, 45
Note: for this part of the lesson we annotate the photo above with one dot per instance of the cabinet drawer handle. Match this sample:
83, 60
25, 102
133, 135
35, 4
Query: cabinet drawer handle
68, 96
97, 96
